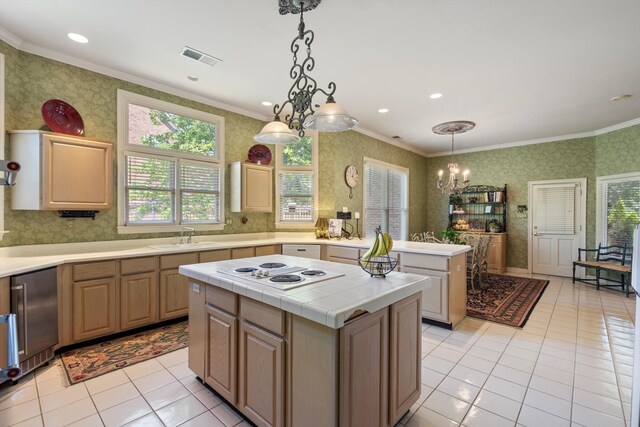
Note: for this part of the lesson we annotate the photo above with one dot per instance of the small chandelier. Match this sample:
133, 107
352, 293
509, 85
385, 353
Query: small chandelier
452, 186
330, 117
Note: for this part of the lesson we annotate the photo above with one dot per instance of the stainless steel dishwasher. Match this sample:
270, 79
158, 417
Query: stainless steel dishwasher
34, 300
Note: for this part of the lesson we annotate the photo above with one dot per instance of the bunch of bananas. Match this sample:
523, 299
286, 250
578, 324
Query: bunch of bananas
381, 246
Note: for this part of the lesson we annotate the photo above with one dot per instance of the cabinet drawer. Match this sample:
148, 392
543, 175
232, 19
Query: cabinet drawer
175, 261
268, 250
94, 270
432, 262
263, 315
243, 252
138, 265
340, 252
222, 299
217, 255
304, 251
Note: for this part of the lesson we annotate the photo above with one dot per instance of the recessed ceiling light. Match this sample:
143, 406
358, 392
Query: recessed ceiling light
435, 95
78, 38
383, 110
267, 103
193, 78
621, 97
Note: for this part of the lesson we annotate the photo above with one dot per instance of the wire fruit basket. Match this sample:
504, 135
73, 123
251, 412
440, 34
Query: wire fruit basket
379, 266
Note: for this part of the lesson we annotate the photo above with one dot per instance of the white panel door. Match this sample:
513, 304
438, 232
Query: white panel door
556, 225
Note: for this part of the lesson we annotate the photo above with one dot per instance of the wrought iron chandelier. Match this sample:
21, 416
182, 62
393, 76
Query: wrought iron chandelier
453, 184
330, 117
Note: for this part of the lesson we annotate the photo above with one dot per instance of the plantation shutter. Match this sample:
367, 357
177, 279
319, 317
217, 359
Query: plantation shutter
296, 196
149, 190
200, 192
556, 209
386, 203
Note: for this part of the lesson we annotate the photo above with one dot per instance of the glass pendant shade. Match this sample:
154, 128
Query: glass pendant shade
330, 117
276, 132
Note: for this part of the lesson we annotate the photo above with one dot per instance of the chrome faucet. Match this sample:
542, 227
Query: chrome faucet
190, 237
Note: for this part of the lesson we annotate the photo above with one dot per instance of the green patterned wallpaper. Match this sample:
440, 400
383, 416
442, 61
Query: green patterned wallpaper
351, 147
618, 152
31, 80
609, 154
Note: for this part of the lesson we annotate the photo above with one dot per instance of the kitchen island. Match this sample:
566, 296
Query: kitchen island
337, 348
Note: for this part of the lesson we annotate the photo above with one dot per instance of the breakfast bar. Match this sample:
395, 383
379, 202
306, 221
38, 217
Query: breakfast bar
328, 345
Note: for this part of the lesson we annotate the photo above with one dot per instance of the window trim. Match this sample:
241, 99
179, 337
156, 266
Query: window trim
125, 98
375, 162
600, 214
279, 167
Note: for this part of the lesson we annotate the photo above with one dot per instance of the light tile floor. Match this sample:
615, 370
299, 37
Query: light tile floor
571, 365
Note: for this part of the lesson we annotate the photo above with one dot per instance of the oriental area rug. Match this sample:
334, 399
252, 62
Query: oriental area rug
504, 299
89, 362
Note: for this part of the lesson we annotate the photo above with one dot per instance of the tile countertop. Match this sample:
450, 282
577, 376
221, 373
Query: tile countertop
328, 302
21, 259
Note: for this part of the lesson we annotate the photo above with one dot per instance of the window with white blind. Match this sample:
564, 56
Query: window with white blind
169, 166
297, 183
618, 208
555, 209
386, 195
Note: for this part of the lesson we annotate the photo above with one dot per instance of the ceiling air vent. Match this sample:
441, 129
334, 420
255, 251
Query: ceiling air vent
199, 56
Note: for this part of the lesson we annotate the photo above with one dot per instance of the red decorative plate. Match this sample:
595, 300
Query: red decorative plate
260, 154
62, 117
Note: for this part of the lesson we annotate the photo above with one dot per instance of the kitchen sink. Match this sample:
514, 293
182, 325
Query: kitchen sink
193, 245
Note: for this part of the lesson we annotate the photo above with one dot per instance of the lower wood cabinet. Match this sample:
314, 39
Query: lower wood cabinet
222, 332
281, 369
364, 370
174, 294
405, 334
138, 299
261, 376
435, 298
94, 308
497, 256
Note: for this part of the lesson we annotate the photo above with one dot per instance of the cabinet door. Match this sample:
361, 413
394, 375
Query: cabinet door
261, 376
257, 188
221, 370
435, 297
364, 355
77, 173
138, 300
243, 252
268, 250
496, 262
406, 352
94, 308
174, 294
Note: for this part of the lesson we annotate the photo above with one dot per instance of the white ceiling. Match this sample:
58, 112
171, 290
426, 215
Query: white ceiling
522, 70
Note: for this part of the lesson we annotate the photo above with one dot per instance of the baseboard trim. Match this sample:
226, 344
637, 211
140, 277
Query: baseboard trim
517, 270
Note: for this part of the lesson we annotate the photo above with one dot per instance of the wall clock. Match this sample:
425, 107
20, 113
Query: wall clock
351, 177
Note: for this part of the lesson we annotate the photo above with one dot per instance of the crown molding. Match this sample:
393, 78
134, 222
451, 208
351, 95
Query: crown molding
391, 141
56, 56
10, 38
619, 126
597, 132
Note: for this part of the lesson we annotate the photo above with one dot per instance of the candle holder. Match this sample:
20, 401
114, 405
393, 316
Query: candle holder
356, 233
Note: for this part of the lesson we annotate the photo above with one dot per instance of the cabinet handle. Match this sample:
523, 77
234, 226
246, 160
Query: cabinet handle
301, 250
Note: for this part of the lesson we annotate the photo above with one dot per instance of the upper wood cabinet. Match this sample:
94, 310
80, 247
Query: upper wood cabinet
61, 172
251, 187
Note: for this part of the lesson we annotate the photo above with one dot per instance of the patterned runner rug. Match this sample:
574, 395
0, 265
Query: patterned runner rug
89, 362
504, 299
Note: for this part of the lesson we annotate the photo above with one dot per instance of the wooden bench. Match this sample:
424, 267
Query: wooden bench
614, 259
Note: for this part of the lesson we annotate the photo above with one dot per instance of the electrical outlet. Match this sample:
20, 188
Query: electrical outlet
228, 221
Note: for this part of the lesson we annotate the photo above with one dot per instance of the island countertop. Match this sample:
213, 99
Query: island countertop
329, 302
